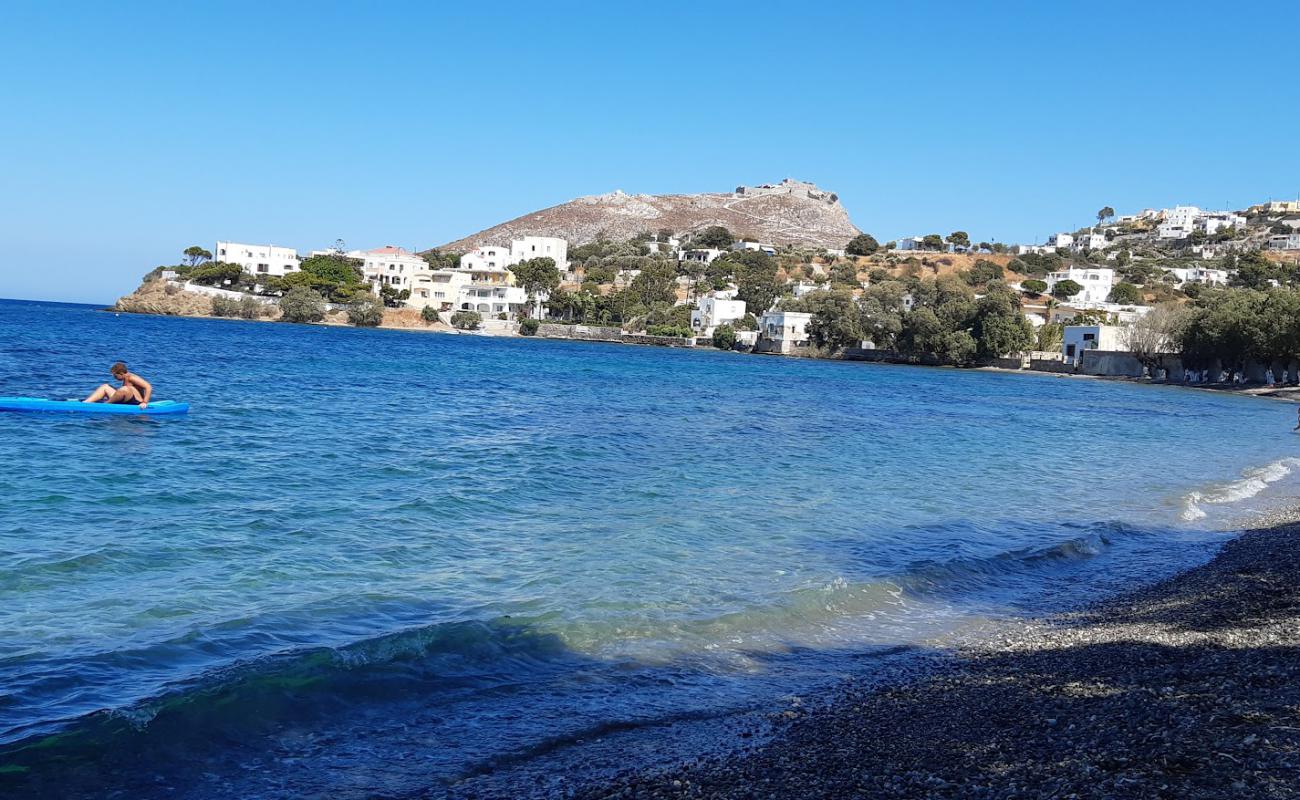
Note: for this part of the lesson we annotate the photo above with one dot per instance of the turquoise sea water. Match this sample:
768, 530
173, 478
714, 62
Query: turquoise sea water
374, 561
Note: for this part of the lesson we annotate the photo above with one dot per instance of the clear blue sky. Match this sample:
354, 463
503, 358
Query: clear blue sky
132, 130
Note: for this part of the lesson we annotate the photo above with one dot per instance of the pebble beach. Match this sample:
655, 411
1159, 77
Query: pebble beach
1186, 689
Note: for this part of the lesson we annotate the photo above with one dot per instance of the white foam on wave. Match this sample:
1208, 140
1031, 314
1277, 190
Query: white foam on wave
1252, 482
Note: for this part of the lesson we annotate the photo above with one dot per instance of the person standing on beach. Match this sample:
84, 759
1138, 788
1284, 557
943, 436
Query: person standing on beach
134, 389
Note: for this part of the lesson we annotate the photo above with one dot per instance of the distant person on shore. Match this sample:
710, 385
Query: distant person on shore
134, 389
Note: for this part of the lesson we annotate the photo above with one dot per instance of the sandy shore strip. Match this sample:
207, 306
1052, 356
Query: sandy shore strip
1186, 689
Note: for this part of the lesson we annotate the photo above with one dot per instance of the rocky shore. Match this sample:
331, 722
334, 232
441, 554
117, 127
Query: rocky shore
1187, 689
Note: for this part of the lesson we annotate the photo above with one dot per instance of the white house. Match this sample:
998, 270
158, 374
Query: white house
438, 288
390, 266
1178, 222
1186, 275
1096, 282
531, 247
910, 243
258, 259
490, 257
1286, 241
756, 246
1077, 338
806, 287
670, 245
782, 331
714, 310
1058, 240
704, 255
1091, 241
1213, 223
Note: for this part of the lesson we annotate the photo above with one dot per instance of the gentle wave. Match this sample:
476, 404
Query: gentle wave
482, 655
1252, 482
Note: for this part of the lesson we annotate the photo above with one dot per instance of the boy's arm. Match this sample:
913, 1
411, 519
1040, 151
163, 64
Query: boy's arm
144, 386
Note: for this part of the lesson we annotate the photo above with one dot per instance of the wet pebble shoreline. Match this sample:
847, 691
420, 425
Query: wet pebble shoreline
1186, 689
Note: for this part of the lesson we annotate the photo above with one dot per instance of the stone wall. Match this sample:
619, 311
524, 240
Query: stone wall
661, 341
586, 332
1110, 363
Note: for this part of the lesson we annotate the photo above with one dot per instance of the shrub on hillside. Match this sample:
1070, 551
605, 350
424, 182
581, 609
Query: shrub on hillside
1125, 293
529, 327
466, 320
864, 244
301, 304
983, 272
429, 314
225, 307
365, 312
249, 308
1034, 286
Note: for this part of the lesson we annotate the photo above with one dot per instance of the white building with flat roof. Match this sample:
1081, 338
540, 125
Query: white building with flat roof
1077, 338
783, 331
1058, 240
486, 258
715, 310
530, 247
1286, 241
390, 266
755, 246
1212, 277
258, 259
1091, 241
703, 255
1096, 282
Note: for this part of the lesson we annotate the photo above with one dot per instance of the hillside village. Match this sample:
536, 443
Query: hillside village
1081, 301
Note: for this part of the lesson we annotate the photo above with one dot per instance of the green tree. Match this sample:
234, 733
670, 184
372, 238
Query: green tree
959, 239
932, 241
714, 236
724, 337
250, 307
537, 276
836, 320
1050, 336
219, 273
1125, 293
529, 327
388, 295
333, 269
301, 304
436, 259
1033, 286
1256, 271
1105, 214
864, 244
225, 307
429, 314
998, 326
365, 312
466, 320
195, 255
982, 272
1064, 290
844, 274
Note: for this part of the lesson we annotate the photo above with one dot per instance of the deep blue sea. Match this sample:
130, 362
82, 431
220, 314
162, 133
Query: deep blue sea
374, 563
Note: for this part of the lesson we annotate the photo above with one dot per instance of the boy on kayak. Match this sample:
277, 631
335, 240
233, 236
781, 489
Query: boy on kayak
134, 389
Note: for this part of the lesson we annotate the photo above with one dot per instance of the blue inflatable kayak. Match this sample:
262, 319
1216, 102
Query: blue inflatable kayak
156, 408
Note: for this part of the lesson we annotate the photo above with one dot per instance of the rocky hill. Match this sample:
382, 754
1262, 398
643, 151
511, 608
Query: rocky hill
791, 212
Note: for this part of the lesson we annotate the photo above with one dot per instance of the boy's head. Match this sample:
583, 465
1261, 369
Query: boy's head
118, 369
